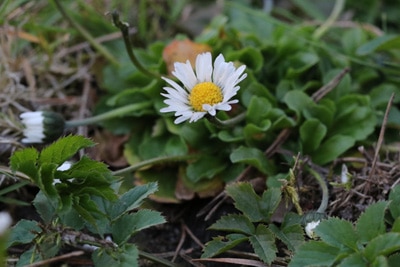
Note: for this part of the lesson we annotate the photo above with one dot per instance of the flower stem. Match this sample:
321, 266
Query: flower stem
124, 27
158, 160
325, 192
226, 123
101, 49
337, 9
108, 115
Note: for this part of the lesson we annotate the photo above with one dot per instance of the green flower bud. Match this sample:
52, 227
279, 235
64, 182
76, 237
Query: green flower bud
42, 126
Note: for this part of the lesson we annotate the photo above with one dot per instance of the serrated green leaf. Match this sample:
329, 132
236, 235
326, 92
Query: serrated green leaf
312, 132
46, 181
25, 162
256, 208
131, 199
23, 232
63, 149
384, 245
44, 207
337, 232
128, 224
28, 257
234, 223
292, 235
220, 244
263, 243
372, 222
126, 256
251, 156
314, 253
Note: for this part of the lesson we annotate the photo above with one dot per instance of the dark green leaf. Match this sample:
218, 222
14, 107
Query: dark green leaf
314, 253
131, 199
354, 260
263, 243
251, 156
384, 245
128, 224
332, 148
256, 208
23, 232
394, 206
220, 244
292, 236
312, 132
337, 232
234, 223
372, 222
44, 207
205, 168
126, 256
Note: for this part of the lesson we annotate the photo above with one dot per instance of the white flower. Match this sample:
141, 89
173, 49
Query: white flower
207, 89
41, 126
5, 222
310, 228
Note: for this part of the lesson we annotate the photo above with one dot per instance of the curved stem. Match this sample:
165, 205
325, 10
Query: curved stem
324, 188
226, 123
124, 27
337, 9
158, 160
101, 49
108, 115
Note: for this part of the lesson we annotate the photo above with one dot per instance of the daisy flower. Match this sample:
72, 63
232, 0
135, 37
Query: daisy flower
207, 89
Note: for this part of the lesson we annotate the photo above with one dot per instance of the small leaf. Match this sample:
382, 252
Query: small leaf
25, 162
292, 235
256, 208
205, 168
384, 245
126, 256
384, 42
332, 148
337, 232
44, 207
220, 244
263, 242
63, 149
23, 232
131, 199
372, 222
234, 223
314, 253
354, 260
394, 206
298, 101
251, 156
312, 132
128, 224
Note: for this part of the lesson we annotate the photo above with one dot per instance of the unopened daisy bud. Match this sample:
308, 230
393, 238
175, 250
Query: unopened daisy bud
311, 220
310, 228
42, 126
207, 89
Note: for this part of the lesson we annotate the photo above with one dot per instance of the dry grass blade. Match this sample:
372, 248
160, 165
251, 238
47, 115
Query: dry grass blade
236, 261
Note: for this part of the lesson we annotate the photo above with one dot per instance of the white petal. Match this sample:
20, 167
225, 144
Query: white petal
184, 72
204, 67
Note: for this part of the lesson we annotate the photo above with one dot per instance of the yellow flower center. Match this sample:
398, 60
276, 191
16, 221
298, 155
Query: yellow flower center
205, 93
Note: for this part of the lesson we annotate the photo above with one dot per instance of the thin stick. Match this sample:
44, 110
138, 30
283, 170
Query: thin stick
380, 139
318, 95
58, 258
